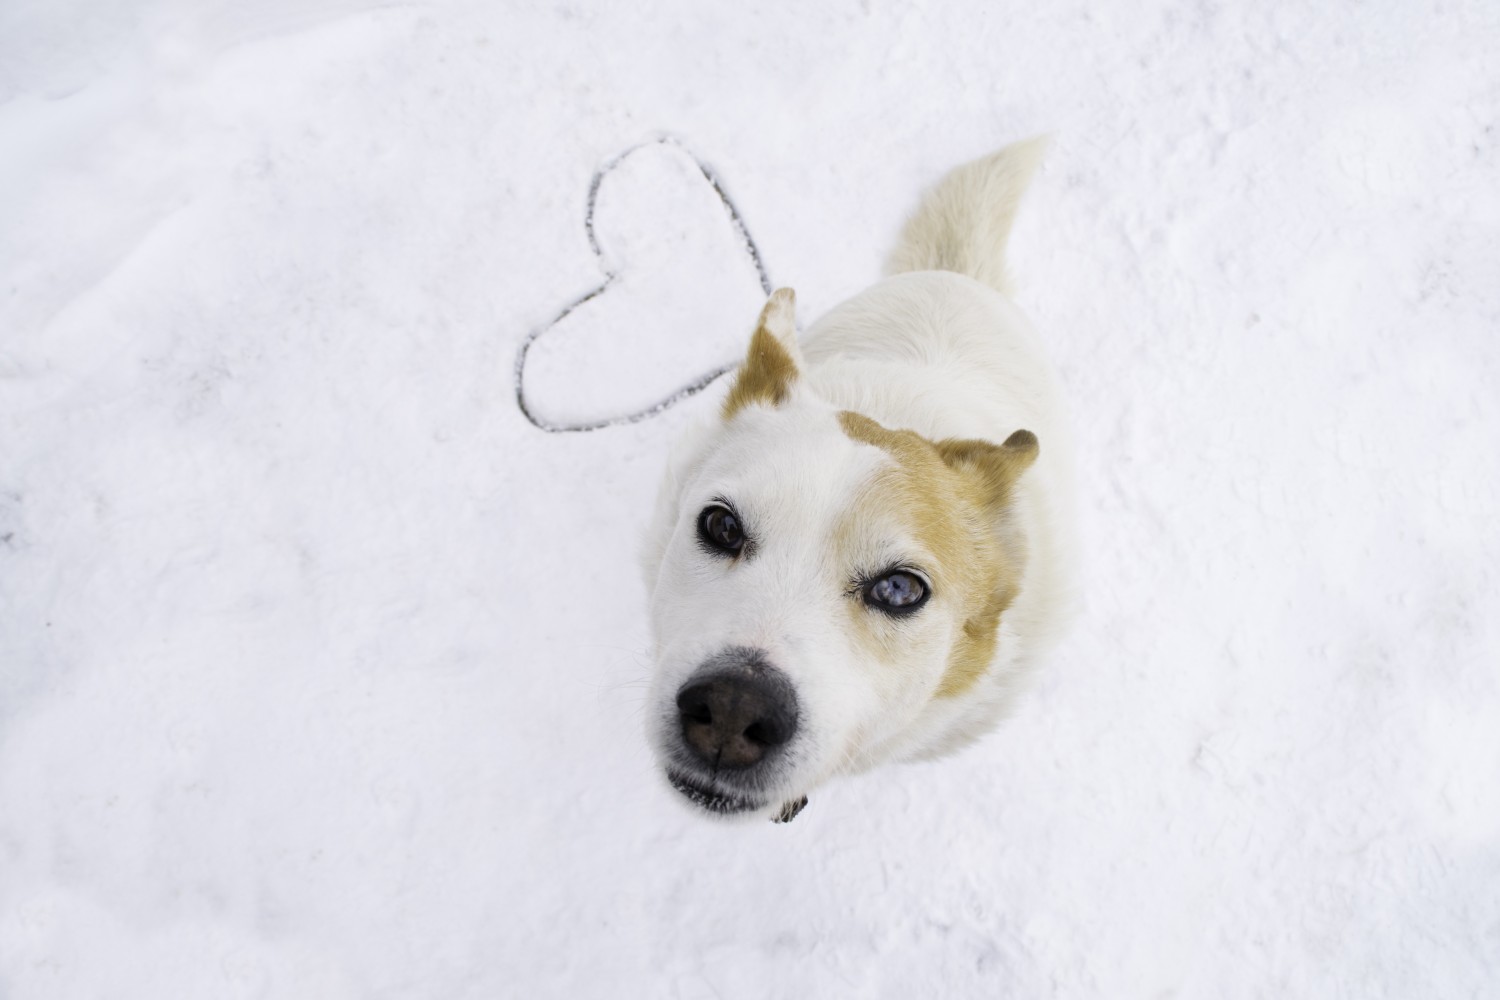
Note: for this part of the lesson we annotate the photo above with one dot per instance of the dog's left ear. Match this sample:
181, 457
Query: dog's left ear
997, 466
772, 363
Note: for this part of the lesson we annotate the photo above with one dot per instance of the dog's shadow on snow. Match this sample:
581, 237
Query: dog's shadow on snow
683, 282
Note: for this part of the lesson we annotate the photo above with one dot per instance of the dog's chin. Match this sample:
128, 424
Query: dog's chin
710, 799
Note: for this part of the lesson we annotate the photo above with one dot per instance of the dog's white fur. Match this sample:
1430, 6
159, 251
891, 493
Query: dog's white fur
936, 348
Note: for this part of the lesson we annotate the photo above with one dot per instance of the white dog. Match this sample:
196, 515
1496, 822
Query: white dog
861, 556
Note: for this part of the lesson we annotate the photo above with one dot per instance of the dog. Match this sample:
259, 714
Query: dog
864, 553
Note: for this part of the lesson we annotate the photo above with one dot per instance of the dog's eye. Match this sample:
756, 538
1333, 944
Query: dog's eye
719, 530
900, 592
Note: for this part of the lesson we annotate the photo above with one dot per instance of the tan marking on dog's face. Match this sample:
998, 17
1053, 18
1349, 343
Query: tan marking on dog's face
769, 369
949, 496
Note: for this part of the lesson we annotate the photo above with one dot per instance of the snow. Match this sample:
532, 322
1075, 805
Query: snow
322, 670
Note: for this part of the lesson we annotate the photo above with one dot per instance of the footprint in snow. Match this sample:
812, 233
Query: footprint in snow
682, 284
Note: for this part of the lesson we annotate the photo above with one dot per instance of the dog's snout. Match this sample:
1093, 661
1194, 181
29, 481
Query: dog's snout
733, 719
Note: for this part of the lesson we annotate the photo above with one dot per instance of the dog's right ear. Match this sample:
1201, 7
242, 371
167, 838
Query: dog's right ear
772, 362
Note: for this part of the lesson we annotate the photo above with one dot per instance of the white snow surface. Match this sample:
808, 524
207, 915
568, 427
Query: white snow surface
322, 670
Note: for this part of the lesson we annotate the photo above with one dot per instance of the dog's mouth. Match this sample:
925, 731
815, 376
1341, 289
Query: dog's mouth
708, 798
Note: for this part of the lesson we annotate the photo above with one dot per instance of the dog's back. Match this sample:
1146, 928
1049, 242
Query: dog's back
938, 346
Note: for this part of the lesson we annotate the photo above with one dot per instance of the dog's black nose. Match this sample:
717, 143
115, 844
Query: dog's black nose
732, 719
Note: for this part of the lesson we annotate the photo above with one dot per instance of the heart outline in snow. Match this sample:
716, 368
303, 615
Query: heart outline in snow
703, 381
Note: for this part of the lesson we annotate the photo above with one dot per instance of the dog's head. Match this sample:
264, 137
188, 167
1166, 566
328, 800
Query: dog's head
821, 583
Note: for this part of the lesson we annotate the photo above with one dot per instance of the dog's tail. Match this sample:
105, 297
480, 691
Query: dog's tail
964, 222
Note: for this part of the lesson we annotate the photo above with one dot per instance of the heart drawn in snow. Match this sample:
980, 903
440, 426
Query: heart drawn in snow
683, 283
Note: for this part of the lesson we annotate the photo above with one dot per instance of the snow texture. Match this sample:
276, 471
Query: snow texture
322, 669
